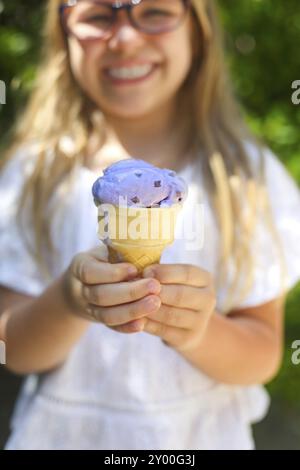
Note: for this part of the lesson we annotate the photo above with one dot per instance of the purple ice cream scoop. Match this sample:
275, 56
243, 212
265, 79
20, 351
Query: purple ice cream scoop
137, 183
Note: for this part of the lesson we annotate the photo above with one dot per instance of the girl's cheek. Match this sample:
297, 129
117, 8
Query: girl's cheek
85, 55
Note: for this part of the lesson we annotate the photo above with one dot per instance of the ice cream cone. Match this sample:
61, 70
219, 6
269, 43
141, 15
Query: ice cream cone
137, 235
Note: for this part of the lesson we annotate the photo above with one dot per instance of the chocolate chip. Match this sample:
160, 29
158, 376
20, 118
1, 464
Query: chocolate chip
138, 174
157, 184
135, 200
172, 173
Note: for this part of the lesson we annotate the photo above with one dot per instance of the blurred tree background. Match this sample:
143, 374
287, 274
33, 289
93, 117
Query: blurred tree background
262, 39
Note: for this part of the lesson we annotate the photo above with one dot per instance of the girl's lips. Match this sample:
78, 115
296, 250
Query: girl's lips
128, 81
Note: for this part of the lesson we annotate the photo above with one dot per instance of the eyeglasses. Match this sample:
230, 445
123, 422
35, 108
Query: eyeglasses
90, 19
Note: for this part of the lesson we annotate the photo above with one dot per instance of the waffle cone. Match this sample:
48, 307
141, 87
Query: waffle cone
139, 235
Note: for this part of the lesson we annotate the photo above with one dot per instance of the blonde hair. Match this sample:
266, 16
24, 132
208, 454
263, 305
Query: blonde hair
58, 108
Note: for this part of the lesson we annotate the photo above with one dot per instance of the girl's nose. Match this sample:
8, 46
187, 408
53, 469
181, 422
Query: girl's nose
124, 34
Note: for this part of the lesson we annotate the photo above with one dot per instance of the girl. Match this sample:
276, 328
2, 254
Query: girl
173, 359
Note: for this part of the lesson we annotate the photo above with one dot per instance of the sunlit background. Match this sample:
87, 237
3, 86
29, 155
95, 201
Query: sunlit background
262, 38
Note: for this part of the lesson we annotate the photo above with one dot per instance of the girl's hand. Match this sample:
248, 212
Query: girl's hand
187, 302
99, 291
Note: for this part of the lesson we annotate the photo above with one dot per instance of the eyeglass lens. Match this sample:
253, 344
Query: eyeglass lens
89, 19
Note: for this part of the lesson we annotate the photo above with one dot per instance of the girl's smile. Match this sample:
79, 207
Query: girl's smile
129, 72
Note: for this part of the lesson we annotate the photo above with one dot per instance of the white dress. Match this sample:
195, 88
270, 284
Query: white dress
118, 391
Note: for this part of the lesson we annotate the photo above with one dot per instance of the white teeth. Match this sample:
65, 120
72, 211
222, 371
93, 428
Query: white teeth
130, 72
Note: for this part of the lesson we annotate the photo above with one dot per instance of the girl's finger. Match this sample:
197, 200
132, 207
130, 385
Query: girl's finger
100, 252
107, 295
169, 334
177, 317
122, 314
179, 274
90, 271
131, 327
193, 298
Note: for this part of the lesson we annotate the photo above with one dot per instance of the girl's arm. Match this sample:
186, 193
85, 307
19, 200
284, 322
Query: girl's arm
244, 347
39, 332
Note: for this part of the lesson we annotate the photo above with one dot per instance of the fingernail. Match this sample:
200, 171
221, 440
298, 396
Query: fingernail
132, 270
153, 286
137, 326
152, 304
149, 272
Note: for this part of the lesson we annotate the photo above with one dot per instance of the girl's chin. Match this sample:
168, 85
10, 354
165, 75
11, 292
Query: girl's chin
126, 112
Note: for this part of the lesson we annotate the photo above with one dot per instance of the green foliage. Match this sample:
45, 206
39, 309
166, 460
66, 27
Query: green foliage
19, 52
262, 40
